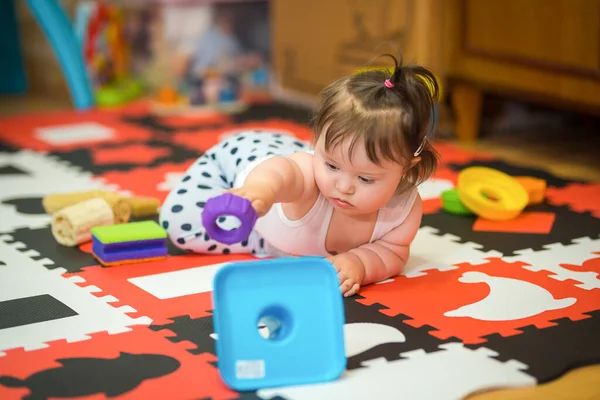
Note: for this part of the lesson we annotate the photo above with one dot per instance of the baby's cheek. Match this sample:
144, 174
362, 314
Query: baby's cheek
322, 180
379, 195
369, 200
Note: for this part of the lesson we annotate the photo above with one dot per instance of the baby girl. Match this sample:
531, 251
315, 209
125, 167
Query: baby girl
351, 196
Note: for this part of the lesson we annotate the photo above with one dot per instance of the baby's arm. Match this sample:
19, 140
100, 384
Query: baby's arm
387, 257
279, 180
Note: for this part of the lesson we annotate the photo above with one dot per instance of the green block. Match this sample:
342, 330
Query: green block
129, 232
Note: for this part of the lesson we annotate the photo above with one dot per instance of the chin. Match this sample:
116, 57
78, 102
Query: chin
353, 211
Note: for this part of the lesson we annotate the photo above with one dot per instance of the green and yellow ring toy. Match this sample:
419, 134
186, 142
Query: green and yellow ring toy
491, 194
451, 203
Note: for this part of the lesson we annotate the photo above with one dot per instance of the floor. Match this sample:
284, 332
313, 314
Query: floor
19, 104
569, 152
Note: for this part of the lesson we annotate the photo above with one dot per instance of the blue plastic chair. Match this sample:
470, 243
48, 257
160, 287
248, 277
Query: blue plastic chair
60, 33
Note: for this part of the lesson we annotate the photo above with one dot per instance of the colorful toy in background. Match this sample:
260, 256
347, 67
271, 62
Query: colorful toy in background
256, 81
217, 89
214, 92
218, 64
492, 194
107, 53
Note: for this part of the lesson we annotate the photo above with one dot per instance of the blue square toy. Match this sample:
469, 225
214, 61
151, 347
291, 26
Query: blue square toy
298, 304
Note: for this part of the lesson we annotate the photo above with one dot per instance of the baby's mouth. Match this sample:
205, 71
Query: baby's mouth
341, 203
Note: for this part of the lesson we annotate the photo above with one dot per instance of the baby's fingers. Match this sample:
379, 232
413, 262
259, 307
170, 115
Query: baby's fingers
233, 190
346, 286
238, 192
353, 290
260, 206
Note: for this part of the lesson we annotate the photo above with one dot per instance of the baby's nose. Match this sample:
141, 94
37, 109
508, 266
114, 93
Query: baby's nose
345, 186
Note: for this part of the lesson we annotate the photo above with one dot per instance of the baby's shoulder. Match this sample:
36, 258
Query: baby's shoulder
304, 160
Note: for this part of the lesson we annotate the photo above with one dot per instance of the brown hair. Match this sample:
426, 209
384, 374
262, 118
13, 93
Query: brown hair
391, 122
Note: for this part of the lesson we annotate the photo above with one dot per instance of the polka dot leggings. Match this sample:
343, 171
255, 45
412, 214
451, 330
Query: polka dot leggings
209, 176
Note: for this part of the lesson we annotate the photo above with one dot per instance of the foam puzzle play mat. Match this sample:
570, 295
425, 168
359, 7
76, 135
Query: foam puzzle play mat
502, 290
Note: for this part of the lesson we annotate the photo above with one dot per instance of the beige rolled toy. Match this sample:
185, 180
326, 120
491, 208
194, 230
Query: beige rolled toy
57, 201
72, 225
123, 207
143, 207
121, 210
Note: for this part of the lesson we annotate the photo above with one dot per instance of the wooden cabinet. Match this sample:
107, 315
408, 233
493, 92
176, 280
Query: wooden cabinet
545, 51
315, 42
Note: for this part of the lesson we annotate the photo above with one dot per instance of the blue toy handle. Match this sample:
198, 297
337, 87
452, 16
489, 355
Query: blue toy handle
59, 31
229, 204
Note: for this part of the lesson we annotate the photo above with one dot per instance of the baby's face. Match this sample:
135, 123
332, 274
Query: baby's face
359, 187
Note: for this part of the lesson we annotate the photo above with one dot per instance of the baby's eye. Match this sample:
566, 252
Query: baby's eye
331, 166
365, 180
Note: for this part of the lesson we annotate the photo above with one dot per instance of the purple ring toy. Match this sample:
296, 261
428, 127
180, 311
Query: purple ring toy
229, 204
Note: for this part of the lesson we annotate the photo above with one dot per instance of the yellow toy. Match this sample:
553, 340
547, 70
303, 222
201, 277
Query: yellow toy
491, 194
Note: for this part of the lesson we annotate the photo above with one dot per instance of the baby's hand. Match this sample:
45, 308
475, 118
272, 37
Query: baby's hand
261, 197
351, 272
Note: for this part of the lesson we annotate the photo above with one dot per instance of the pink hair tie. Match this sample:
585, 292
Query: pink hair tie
388, 84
